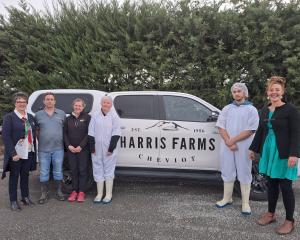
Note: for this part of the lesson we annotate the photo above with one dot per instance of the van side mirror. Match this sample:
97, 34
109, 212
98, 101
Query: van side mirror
213, 117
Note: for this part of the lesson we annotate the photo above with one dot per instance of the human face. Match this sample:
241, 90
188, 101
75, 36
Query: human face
49, 101
106, 105
238, 95
275, 93
21, 104
78, 107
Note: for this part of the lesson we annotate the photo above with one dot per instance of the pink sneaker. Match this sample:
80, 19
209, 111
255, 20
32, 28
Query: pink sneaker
81, 197
72, 196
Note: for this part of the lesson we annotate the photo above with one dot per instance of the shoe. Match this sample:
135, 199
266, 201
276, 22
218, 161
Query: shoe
59, 194
27, 202
227, 197
98, 198
286, 228
81, 197
72, 196
108, 187
14, 206
266, 219
45, 193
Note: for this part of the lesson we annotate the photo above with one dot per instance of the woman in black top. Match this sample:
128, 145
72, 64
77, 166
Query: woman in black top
76, 141
277, 141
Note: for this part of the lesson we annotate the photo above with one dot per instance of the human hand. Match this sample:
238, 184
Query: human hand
78, 149
234, 147
72, 149
16, 158
109, 153
230, 142
292, 161
251, 155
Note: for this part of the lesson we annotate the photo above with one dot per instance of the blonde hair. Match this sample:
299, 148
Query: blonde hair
276, 80
79, 100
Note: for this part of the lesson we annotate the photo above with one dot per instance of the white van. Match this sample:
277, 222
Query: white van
164, 134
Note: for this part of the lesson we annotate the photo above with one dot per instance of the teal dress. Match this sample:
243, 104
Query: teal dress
270, 163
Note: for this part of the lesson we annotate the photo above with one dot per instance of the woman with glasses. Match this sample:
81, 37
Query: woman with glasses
19, 134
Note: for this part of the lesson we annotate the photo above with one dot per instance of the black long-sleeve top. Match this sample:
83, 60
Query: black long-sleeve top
76, 130
286, 125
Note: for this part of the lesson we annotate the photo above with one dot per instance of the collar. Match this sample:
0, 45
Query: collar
20, 115
105, 114
73, 115
240, 104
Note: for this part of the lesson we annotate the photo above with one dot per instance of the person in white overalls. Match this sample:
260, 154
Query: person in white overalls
104, 133
237, 123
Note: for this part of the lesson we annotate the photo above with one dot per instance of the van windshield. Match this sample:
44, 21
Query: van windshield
64, 102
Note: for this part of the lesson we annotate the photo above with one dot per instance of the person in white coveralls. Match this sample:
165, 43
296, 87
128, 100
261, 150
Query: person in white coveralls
104, 133
237, 124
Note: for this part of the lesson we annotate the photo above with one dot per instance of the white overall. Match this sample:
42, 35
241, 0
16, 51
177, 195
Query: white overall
102, 128
235, 119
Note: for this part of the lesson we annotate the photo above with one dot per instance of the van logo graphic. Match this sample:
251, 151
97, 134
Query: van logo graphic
167, 126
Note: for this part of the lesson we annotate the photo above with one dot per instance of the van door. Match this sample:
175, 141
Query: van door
139, 143
191, 138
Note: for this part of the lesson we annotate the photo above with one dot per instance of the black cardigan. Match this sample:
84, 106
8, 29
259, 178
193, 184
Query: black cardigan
286, 125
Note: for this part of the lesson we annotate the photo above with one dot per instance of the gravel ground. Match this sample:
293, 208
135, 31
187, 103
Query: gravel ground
141, 209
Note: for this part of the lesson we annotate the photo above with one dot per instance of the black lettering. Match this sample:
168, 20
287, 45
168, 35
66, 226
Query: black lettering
192, 144
163, 143
149, 142
167, 159
140, 142
183, 144
131, 143
123, 142
193, 158
174, 142
201, 144
158, 159
156, 142
183, 159
149, 159
140, 156
212, 144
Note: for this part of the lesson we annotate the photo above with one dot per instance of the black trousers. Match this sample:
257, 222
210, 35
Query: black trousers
288, 196
78, 163
19, 168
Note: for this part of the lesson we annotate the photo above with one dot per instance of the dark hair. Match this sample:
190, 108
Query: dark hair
19, 95
48, 93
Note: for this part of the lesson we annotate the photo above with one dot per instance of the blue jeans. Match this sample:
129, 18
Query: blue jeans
45, 158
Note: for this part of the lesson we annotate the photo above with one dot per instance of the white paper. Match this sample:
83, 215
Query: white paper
22, 148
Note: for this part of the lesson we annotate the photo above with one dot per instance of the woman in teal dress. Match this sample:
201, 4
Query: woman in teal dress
277, 141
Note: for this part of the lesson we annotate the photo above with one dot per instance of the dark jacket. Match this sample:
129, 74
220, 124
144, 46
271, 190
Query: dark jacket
13, 130
286, 125
76, 130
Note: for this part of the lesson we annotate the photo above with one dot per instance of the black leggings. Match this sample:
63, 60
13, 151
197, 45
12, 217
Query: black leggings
288, 196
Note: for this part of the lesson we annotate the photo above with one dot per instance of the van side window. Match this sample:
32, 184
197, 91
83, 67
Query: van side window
135, 106
179, 108
64, 102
